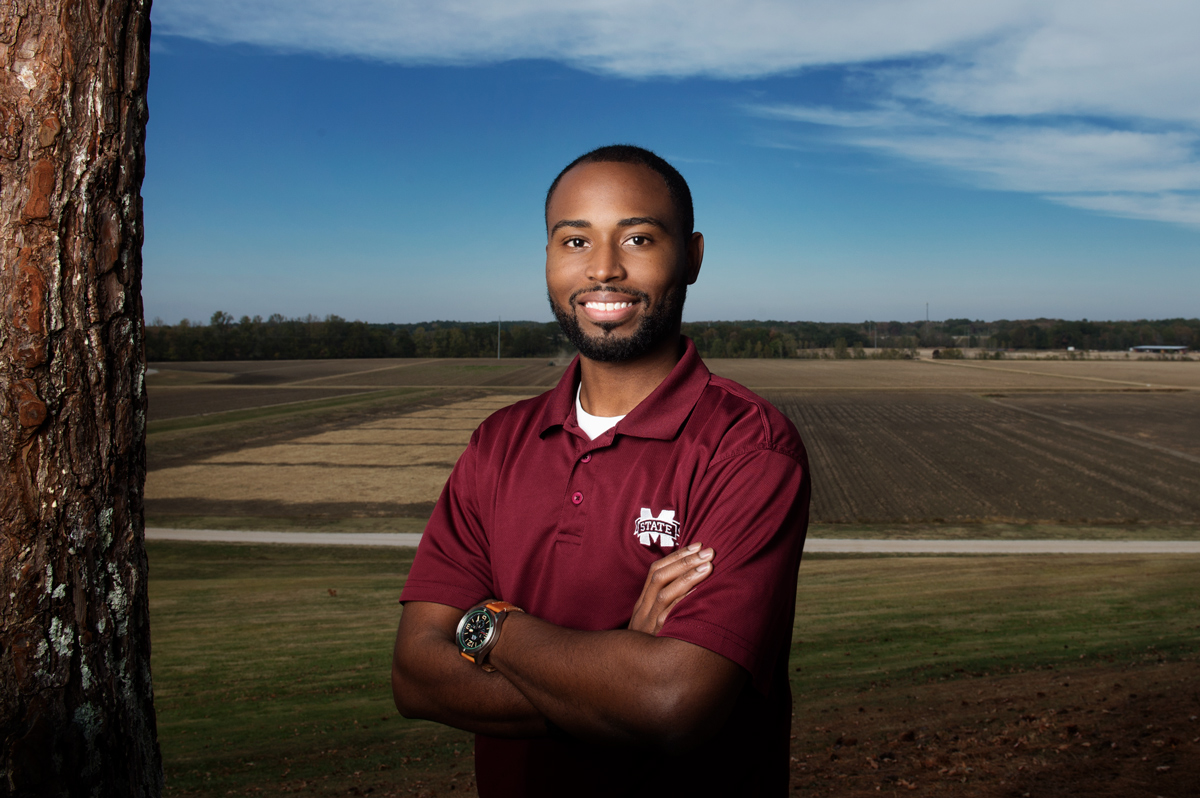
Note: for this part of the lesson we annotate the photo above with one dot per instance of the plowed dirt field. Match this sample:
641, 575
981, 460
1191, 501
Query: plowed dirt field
185, 389
1135, 372
388, 466
890, 442
1169, 420
951, 458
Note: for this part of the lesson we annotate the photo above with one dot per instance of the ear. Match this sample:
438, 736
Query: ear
695, 256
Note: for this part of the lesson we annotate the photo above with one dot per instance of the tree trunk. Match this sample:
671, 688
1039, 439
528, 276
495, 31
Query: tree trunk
78, 714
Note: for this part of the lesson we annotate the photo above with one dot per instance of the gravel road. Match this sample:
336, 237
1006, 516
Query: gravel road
836, 545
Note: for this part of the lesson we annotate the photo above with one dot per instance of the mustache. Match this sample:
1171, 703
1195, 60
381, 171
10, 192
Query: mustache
634, 293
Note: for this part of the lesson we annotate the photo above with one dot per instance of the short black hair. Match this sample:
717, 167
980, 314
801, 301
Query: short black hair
677, 187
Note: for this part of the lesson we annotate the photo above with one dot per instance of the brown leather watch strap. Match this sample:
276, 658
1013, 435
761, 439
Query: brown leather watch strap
501, 608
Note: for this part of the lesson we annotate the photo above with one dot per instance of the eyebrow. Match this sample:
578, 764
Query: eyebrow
570, 223
632, 221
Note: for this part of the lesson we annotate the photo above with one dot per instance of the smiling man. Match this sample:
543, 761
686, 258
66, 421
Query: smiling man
605, 592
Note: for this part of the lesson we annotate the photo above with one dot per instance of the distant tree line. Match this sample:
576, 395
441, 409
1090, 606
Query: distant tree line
806, 338
277, 337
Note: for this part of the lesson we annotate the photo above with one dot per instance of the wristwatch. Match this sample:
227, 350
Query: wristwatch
479, 630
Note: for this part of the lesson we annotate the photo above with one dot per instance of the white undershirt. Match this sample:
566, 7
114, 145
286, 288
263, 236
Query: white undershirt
594, 426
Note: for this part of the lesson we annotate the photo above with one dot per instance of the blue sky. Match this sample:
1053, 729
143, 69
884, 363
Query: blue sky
851, 160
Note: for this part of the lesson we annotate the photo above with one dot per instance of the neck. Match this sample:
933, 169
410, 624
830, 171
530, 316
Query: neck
614, 389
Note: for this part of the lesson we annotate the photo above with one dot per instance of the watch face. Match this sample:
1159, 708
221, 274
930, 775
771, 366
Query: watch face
474, 630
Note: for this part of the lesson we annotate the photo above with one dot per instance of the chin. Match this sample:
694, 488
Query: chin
653, 327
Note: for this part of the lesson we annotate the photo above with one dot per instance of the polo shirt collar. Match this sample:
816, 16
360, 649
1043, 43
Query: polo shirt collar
660, 415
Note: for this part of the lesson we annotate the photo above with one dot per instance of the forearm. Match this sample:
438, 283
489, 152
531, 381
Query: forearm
431, 681
618, 686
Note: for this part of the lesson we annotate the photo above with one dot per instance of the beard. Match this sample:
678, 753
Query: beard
658, 324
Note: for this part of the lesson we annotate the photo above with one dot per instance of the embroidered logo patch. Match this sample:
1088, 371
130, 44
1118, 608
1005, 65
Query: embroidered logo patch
662, 529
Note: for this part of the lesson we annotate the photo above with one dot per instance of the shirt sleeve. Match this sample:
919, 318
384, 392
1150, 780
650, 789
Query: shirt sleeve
752, 509
453, 561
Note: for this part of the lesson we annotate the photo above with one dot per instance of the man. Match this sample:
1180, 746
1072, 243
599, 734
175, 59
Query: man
647, 517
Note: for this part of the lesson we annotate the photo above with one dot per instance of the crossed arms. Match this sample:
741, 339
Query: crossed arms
617, 686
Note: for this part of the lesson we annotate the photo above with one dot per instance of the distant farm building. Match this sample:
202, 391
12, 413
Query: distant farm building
1161, 350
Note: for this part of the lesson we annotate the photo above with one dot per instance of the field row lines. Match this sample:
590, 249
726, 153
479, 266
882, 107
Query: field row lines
1056, 375
368, 371
1191, 458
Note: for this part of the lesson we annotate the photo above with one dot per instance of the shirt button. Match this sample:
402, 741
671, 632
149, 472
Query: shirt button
587, 458
577, 497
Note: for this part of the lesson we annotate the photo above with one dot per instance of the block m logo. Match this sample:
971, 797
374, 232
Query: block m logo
662, 529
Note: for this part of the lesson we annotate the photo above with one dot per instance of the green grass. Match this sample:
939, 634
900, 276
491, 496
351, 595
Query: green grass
263, 677
870, 621
265, 681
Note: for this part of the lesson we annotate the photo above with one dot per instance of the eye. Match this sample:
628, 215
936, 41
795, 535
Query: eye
574, 242
639, 240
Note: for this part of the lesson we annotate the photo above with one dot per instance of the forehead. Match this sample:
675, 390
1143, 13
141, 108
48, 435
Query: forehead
596, 191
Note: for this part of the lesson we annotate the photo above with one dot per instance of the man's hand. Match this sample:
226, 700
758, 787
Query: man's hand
669, 580
625, 686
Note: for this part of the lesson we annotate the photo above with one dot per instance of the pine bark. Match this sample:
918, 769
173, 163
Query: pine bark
77, 716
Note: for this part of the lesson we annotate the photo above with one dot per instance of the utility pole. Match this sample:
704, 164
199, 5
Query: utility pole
497, 337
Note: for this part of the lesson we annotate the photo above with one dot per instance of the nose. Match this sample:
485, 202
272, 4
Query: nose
605, 264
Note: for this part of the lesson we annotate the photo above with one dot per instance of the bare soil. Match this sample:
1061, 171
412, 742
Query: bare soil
1170, 420
927, 451
880, 457
891, 375
940, 457
1145, 373
300, 484
1096, 732
279, 372
798, 374
191, 444
181, 401
958, 375
377, 372
384, 465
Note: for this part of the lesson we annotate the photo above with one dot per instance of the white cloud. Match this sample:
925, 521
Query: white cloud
1055, 160
824, 115
1091, 103
1165, 207
1078, 57
634, 38
1131, 173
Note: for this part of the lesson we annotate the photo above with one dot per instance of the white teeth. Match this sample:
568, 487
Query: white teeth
608, 305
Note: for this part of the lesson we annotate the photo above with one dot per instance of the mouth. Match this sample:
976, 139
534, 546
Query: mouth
606, 308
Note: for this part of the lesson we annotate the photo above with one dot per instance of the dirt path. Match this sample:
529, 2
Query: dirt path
831, 545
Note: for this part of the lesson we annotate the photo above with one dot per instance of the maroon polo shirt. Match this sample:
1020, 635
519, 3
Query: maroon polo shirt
565, 527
